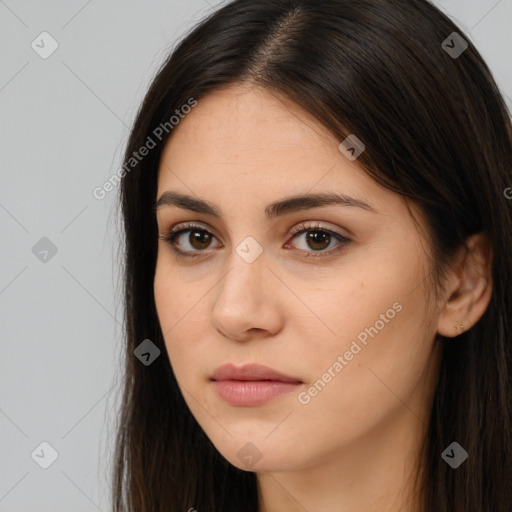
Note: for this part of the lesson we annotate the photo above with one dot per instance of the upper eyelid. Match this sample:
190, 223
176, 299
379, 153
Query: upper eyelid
312, 224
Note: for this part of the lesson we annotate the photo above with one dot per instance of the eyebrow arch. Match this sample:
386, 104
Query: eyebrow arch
273, 210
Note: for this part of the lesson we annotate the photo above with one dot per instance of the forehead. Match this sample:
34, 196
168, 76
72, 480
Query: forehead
244, 145
248, 122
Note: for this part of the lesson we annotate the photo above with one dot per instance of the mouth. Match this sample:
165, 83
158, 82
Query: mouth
251, 385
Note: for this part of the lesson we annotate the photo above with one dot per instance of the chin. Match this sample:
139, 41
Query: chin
259, 456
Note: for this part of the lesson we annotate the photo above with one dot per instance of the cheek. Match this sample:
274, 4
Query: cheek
174, 298
175, 310
344, 310
376, 324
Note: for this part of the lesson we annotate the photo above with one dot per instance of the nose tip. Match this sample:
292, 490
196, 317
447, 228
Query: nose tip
245, 305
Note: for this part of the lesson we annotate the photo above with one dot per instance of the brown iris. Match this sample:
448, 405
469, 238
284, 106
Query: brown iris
317, 240
202, 238
318, 237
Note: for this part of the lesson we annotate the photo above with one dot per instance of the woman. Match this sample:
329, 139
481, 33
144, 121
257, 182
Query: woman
317, 268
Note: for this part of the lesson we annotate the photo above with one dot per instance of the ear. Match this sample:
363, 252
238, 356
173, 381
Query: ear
468, 288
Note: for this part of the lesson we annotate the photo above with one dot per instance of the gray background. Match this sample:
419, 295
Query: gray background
64, 123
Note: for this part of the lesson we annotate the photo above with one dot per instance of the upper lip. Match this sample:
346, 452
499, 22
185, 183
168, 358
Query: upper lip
250, 372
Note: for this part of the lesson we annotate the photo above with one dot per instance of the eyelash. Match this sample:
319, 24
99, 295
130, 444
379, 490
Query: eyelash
171, 236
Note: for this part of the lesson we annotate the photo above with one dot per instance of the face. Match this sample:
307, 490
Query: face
330, 295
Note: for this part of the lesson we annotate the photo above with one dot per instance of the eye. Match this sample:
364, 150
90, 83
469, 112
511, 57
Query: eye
319, 238
199, 239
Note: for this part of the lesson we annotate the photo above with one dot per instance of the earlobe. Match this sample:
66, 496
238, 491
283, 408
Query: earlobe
470, 288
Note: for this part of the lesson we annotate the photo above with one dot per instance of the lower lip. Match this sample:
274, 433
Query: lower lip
250, 393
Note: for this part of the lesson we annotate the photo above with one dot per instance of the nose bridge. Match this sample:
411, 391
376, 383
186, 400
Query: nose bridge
247, 266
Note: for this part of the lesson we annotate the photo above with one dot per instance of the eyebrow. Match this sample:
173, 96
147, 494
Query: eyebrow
273, 210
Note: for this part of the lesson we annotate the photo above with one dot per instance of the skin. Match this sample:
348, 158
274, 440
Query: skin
354, 445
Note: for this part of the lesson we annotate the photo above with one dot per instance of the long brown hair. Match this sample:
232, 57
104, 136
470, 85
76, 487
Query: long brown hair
436, 130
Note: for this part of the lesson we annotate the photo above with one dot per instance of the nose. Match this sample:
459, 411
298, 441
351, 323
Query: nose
246, 304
